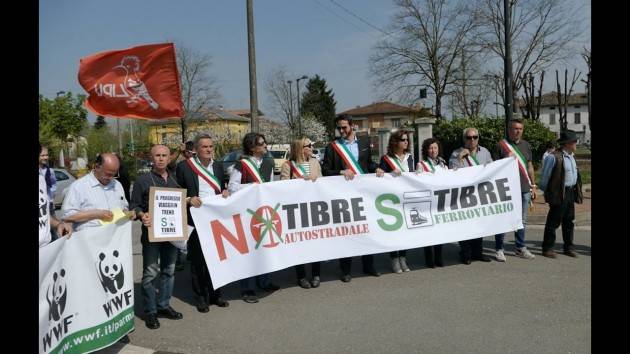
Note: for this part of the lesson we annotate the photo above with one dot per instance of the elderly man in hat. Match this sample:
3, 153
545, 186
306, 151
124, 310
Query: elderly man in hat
562, 185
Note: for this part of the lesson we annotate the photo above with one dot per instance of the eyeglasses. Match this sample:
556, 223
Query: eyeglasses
342, 128
471, 137
405, 139
261, 143
309, 145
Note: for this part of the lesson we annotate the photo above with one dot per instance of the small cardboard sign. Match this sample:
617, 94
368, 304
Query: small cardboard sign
167, 207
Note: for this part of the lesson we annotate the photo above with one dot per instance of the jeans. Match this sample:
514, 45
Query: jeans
519, 235
152, 253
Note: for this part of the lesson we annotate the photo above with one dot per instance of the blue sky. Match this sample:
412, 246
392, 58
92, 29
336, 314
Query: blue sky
306, 36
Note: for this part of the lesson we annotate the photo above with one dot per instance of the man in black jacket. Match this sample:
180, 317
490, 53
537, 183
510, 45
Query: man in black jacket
348, 156
202, 177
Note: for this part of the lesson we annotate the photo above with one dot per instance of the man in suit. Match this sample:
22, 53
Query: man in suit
202, 177
350, 155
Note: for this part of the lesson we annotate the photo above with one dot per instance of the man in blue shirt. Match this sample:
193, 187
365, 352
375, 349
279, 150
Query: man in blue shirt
563, 187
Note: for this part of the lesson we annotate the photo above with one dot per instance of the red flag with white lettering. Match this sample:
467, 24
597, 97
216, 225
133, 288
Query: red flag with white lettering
139, 82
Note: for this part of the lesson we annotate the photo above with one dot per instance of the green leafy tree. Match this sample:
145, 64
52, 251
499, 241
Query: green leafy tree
320, 102
60, 120
100, 122
491, 131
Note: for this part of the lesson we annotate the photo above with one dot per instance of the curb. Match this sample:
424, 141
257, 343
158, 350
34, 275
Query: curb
121, 348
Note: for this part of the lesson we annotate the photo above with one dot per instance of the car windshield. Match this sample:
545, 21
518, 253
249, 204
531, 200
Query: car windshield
278, 154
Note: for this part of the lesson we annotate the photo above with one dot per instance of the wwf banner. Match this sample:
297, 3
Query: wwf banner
86, 290
268, 227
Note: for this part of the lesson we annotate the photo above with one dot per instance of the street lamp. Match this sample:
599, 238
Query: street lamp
297, 83
290, 103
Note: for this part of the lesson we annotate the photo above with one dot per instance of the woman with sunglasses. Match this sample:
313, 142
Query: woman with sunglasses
302, 164
398, 160
432, 162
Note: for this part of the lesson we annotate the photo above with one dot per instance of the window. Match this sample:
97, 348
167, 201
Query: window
552, 119
576, 106
396, 122
60, 176
578, 118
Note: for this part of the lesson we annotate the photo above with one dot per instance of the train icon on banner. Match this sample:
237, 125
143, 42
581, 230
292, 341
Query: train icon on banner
417, 209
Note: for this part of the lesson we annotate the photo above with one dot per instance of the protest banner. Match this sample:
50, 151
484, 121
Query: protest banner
267, 227
86, 290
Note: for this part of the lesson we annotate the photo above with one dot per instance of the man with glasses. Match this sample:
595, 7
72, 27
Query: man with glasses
93, 197
471, 154
348, 156
252, 167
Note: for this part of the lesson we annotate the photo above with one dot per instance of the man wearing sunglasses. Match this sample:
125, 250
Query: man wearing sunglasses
350, 155
471, 154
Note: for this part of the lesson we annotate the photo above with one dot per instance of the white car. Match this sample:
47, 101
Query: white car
64, 180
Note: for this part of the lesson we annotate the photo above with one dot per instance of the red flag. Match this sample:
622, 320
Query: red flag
139, 82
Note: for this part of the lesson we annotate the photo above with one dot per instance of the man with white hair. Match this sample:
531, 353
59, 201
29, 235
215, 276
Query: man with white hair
471, 154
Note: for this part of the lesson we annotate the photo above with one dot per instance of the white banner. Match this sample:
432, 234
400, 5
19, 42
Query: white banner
86, 290
268, 227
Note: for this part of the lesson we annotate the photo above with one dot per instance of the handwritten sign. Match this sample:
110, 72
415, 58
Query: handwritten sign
167, 207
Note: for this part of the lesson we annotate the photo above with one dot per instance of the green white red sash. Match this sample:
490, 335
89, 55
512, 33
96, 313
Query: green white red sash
507, 147
427, 166
393, 163
298, 171
250, 167
347, 157
205, 175
472, 161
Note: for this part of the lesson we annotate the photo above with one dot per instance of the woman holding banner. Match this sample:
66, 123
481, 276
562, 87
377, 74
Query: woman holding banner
432, 162
398, 160
302, 164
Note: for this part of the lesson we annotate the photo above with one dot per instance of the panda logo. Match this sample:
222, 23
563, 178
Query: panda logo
43, 210
56, 296
110, 272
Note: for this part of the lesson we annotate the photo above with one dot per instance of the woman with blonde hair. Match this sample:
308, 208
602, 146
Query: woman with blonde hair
302, 164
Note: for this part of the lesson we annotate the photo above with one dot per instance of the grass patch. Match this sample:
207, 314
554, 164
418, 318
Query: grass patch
585, 174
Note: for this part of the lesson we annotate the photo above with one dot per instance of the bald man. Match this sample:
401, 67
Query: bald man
93, 197
158, 258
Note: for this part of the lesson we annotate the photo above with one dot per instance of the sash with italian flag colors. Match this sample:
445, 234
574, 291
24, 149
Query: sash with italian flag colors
522, 162
205, 175
252, 169
427, 166
472, 161
298, 170
393, 163
347, 157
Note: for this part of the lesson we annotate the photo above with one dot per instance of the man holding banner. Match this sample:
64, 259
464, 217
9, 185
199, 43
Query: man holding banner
349, 156
252, 168
471, 154
158, 258
202, 177
96, 197
520, 149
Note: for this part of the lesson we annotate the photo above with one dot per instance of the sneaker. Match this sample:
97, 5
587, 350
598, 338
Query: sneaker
396, 265
500, 256
403, 264
524, 253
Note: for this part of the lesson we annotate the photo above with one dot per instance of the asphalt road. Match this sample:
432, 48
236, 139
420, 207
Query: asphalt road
541, 305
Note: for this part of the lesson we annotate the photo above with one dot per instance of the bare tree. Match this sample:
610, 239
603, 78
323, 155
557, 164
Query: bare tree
280, 97
541, 33
531, 103
199, 88
563, 97
426, 38
586, 55
470, 89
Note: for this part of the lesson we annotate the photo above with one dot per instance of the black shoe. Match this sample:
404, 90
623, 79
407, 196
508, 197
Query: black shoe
203, 307
315, 282
346, 278
372, 272
303, 283
220, 302
170, 313
151, 321
271, 287
483, 258
249, 297
465, 260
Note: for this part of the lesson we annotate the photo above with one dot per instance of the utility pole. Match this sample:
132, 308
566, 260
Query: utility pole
507, 64
251, 49
297, 83
119, 136
291, 107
